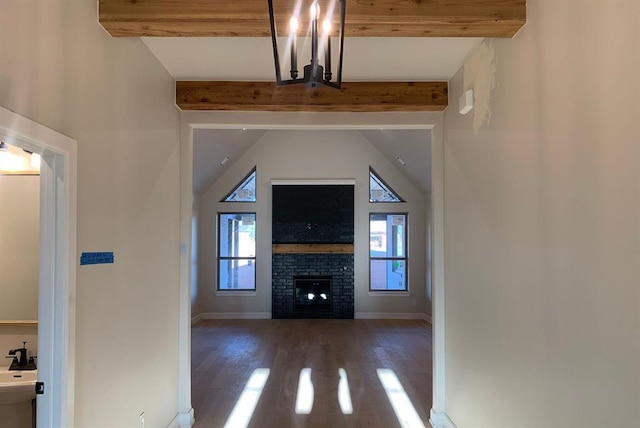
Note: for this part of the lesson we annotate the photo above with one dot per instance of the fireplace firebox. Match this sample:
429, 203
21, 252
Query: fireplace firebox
312, 293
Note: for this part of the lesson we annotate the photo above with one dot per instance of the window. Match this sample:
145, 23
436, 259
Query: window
236, 251
245, 191
388, 252
379, 191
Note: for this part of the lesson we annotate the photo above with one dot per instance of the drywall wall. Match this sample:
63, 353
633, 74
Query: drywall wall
542, 226
312, 155
61, 69
19, 246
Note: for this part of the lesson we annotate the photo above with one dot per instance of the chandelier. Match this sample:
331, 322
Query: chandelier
314, 74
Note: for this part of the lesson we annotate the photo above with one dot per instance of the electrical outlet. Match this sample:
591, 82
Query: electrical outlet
142, 420
413, 302
232, 302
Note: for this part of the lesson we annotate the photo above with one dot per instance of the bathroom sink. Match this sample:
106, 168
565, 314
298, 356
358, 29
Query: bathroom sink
17, 386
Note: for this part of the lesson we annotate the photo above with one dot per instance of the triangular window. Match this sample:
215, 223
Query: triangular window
379, 191
245, 191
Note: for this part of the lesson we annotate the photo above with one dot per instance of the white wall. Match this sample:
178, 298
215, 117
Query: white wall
542, 225
19, 246
19, 242
312, 155
61, 69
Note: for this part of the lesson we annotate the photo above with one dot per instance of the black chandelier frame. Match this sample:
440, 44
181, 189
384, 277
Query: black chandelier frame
314, 74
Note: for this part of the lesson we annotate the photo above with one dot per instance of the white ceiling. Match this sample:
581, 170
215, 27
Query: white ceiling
211, 146
365, 59
412, 146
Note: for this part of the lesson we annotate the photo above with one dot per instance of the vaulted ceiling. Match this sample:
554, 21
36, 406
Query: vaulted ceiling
399, 54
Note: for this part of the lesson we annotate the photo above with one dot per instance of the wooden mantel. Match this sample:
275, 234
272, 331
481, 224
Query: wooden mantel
312, 248
371, 18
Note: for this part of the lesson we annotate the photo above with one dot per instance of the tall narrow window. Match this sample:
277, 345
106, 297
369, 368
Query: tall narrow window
245, 191
388, 252
236, 251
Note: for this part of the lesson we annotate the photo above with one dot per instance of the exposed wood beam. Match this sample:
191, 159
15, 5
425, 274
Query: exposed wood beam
353, 97
371, 18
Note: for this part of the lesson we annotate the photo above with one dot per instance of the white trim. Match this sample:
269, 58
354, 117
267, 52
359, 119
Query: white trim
314, 182
184, 300
441, 420
235, 316
195, 319
222, 293
386, 293
57, 277
273, 120
183, 420
388, 316
437, 268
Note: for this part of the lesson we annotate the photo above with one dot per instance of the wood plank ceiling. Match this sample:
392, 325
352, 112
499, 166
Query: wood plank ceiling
371, 18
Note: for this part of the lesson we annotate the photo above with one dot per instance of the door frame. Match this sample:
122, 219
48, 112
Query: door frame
57, 276
192, 120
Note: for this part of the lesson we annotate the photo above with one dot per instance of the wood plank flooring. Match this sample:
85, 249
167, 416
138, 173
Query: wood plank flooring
226, 352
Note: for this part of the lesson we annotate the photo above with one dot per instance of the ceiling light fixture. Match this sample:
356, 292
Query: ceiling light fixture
314, 74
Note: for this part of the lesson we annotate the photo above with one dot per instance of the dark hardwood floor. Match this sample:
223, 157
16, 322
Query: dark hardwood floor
226, 352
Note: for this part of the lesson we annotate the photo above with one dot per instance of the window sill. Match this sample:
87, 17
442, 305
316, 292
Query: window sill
383, 293
236, 293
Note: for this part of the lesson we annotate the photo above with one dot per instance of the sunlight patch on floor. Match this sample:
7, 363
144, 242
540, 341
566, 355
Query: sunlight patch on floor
402, 406
344, 395
304, 399
246, 404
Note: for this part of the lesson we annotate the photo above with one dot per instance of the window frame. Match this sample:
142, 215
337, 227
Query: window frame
385, 186
405, 258
220, 258
254, 171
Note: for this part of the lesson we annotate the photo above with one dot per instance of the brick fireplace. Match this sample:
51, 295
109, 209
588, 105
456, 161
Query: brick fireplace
312, 262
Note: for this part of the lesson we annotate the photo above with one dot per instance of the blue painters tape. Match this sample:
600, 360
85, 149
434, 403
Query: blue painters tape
96, 258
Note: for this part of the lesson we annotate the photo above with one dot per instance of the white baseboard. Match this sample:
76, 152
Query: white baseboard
183, 420
388, 316
267, 315
235, 316
440, 420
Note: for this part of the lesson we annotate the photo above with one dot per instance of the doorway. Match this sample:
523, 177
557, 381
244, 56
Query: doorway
56, 280
232, 120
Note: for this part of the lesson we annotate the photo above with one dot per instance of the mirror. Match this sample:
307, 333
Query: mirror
19, 243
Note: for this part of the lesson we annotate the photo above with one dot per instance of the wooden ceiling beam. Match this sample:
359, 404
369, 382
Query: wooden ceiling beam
353, 97
371, 18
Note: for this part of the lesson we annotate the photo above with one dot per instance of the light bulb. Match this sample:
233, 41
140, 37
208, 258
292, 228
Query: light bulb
35, 161
314, 10
293, 24
326, 26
